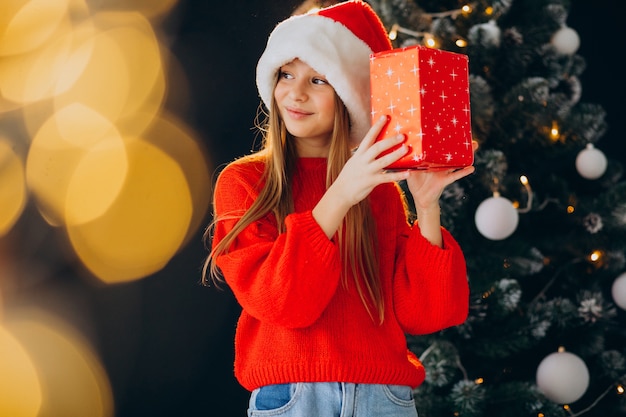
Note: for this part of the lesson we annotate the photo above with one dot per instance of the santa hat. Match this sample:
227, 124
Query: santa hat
336, 42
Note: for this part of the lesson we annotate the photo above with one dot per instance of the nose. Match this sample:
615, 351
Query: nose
298, 90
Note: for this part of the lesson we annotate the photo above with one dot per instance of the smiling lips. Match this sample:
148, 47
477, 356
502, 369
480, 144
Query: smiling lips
296, 113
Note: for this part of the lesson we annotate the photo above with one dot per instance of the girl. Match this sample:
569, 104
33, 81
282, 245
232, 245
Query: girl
312, 237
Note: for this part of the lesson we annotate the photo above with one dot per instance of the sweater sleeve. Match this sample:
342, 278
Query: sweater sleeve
286, 279
430, 288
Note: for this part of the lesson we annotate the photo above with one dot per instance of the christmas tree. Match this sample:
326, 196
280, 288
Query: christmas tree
542, 221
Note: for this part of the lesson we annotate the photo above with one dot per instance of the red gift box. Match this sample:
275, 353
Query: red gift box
425, 92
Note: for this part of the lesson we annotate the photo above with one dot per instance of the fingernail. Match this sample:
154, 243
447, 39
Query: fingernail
383, 118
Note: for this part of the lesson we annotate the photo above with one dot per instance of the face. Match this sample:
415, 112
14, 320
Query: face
306, 102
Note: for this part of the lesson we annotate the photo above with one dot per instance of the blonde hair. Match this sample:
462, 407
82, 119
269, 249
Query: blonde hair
356, 237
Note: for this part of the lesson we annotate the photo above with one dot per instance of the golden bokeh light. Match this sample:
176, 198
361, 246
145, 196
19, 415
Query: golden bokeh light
35, 75
123, 78
172, 136
148, 8
106, 162
20, 393
145, 226
71, 377
96, 182
79, 44
12, 186
72, 136
27, 24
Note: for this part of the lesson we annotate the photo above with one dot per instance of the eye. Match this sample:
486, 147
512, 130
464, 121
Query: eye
284, 75
319, 81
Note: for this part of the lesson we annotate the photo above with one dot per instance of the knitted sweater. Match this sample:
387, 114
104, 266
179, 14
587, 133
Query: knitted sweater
300, 322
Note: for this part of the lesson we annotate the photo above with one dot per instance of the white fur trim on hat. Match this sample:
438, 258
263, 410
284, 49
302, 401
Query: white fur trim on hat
331, 49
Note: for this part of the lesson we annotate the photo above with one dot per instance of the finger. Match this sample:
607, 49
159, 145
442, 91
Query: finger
391, 157
372, 134
458, 174
396, 176
385, 145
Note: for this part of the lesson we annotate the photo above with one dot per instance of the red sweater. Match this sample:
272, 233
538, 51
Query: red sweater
299, 322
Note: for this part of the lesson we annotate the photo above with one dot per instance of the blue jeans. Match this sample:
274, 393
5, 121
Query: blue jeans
332, 399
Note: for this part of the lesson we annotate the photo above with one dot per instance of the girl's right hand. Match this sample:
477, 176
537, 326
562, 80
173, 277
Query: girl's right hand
366, 168
362, 172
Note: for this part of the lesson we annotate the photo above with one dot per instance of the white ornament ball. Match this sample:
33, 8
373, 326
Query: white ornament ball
591, 162
496, 218
562, 377
618, 291
565, 40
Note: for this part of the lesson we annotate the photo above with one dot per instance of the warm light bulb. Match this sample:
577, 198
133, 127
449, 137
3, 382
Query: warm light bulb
430, 42
461, 43
479, 381
570, 209
394, 32
566, 407
554, 132
529, 203
489, 11
466, 9
561, 349
620, 389
595, 256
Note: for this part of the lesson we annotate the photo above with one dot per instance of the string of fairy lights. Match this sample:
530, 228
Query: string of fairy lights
590, 163
427, 38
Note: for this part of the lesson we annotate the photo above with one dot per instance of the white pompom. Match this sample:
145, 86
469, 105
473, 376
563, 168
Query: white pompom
565, 40
618, 291
591, 162
496, 218
487, 34
562, 377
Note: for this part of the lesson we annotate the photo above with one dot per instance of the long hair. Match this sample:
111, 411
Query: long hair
356, 237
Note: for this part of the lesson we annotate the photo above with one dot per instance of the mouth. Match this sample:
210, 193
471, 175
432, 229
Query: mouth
296, 113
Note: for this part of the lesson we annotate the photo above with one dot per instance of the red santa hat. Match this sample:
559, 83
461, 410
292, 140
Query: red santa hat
335, 41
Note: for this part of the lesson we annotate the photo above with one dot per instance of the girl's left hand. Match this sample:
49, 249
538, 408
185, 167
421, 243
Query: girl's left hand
426, 187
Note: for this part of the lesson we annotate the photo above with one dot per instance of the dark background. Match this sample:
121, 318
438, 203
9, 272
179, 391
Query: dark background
166, 341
